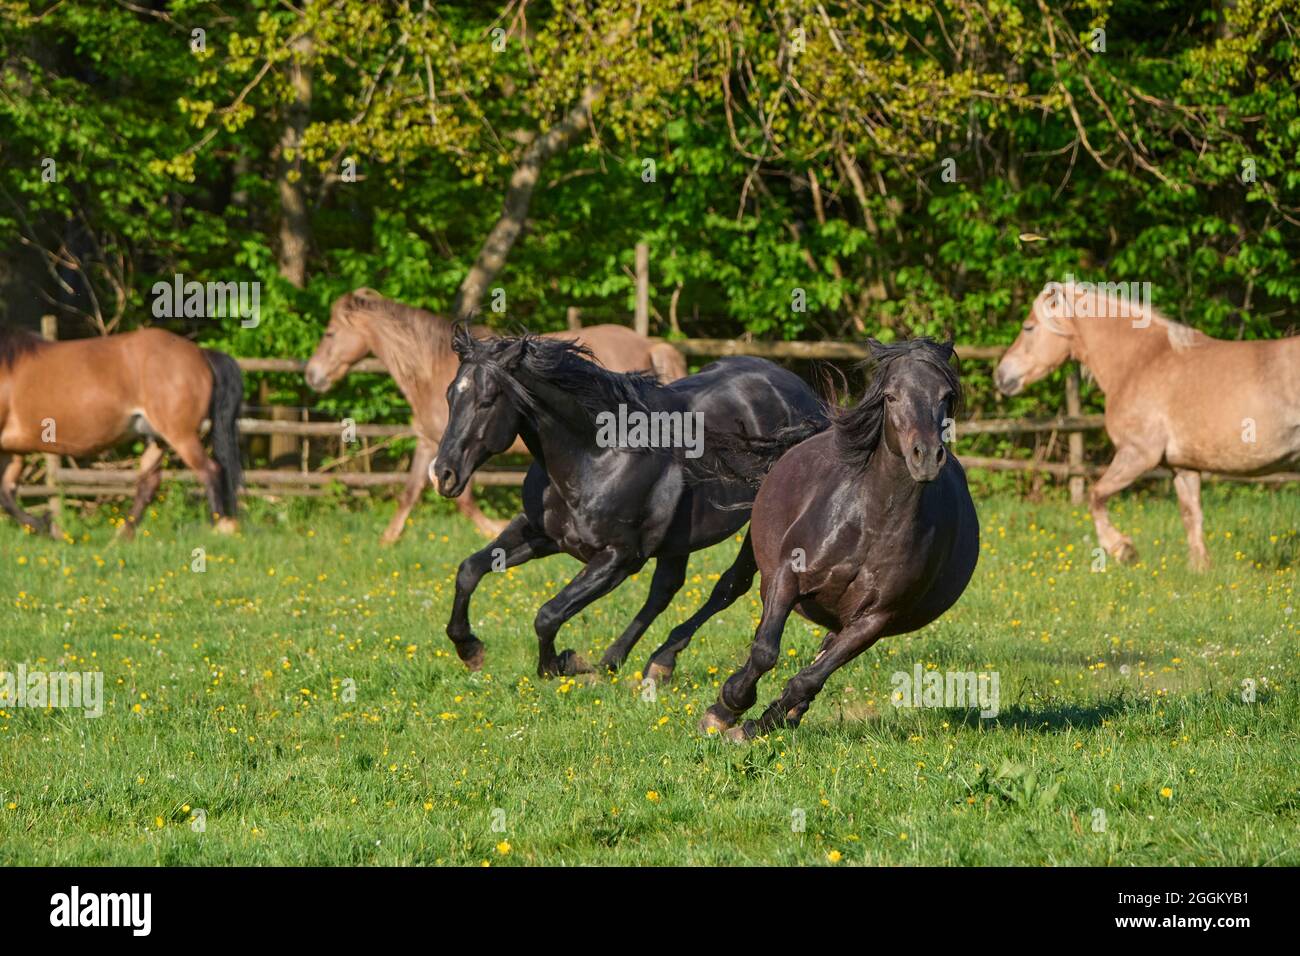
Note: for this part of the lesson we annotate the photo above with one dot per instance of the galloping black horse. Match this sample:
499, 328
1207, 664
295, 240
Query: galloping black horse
613, 508
866, 529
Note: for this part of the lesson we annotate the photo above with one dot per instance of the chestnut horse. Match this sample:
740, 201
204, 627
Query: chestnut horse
1173, 395
415, 347
84, 396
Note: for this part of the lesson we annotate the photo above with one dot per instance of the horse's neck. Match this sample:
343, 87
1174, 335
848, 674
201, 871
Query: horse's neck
1114, 349
563, 435
417, 388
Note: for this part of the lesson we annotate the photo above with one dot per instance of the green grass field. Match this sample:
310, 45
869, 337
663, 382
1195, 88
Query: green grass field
1123, 736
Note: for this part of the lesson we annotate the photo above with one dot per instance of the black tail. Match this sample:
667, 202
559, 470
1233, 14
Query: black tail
739, 458
227, 394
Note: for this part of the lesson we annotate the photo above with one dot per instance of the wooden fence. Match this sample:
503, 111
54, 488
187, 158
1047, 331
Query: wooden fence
110, 480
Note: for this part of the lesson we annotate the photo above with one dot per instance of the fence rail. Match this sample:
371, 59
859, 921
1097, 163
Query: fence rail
101, 481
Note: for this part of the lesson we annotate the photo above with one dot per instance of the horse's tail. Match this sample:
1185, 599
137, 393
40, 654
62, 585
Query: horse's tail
739, 458
667, 363
227, 394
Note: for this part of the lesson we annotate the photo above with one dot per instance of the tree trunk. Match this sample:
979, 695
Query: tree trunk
492, 256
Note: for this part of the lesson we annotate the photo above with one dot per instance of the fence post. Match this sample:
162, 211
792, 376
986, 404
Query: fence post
574, 318
642, 288
50, 331
1074, 409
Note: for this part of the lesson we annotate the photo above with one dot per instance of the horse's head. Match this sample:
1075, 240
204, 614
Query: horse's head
344, 344
918, 393
1043, 343
483, 403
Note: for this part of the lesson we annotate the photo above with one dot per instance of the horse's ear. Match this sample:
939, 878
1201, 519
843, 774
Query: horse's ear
513, 352
949, 349
877, 347
462, 342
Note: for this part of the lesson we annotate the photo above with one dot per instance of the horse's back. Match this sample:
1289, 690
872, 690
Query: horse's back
616, 347
1231, 407
92, 389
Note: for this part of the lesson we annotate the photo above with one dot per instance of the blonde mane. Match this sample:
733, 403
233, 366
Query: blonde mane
418, 337
1141, 314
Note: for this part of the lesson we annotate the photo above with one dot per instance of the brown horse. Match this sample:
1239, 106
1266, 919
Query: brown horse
415, 347
81, 397
1172, 394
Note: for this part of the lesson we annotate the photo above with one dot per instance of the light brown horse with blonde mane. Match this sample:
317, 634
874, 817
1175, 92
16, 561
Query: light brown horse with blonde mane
1173, 395
415, 346
84, 396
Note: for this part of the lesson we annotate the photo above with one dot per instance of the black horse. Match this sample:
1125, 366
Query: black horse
866, 529
611, 506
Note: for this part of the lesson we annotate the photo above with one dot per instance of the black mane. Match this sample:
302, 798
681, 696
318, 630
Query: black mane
565, 365
858, 429
15, 343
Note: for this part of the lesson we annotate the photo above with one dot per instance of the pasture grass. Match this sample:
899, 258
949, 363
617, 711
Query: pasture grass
1122, 739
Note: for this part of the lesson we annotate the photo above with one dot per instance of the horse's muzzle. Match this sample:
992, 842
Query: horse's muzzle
924, 461
1007, 384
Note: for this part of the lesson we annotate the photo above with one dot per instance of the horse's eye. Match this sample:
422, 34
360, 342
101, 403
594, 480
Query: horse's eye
1029, 328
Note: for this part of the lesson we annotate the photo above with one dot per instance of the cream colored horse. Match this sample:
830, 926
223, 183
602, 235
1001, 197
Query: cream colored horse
415, 347
1173, 395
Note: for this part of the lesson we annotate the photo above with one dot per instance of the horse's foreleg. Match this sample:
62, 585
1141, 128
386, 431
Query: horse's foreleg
602, 574
735, 581
741, 689
1188, 485
799, 691
517, 544
1129, 463
11, 469
146, 486
669, 576
411, 491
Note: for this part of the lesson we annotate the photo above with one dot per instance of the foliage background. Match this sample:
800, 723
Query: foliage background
796, 144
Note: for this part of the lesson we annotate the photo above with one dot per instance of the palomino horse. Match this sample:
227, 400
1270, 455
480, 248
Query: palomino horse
81, 397
415, 347
866, 529
1172, 394
611, 502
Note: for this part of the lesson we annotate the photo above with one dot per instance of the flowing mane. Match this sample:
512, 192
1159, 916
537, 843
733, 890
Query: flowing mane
16, 342
566, 365
858, 429
1105, 303
415, 334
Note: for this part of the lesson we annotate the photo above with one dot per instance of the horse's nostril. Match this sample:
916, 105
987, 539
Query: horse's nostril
940, 455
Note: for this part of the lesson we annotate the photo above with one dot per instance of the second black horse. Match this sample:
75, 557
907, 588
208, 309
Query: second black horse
611, 506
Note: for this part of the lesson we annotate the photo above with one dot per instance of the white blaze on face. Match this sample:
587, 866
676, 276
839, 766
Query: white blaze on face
462, 384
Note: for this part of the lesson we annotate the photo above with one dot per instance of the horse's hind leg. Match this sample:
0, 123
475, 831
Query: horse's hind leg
11, 469
518, 543
800, 689
1129, 463
741, 689
146, 487
196, 460
415, 482
1188, 485
669, 576
735, 581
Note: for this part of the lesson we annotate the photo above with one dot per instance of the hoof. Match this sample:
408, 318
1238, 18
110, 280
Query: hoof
571, 664
226, 526
1199, 562
659, 674
1124, 552
712, 723
125, 532
388, 539
471, 653
737, 735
